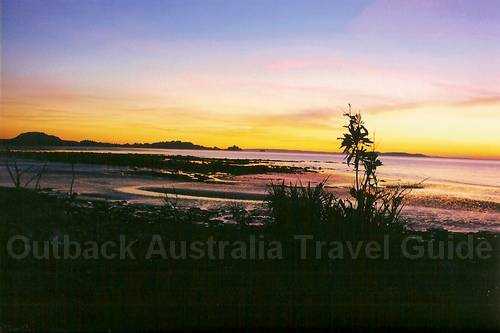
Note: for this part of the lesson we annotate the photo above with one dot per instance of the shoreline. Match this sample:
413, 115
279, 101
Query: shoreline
460, 207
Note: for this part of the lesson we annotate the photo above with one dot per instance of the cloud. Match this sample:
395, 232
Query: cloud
320, 118
42, 115
492, 101
315, 63
486, 101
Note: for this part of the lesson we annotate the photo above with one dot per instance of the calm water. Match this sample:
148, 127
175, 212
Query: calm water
458, 194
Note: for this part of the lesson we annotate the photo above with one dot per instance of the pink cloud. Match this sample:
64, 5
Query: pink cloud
316, 63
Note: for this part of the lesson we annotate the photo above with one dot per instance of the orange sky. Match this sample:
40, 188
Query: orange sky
466, 129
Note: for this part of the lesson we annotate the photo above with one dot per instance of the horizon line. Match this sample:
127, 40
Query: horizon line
422, 155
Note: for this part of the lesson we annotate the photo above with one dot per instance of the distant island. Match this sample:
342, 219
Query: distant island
40, 139
402, 154
234, 148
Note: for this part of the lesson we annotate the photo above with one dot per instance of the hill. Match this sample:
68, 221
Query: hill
39, 139
36, 139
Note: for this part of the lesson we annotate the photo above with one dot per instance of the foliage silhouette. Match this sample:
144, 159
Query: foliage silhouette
370, 210
16, 174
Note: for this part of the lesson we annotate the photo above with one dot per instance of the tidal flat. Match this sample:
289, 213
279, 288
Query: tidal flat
469, 203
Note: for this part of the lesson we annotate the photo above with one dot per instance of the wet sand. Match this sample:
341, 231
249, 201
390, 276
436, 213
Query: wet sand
454, 207
186, 192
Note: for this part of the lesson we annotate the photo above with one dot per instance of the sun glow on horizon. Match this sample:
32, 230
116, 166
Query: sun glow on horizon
192, 72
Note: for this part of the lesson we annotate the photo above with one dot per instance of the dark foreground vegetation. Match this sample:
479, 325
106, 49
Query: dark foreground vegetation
159, 293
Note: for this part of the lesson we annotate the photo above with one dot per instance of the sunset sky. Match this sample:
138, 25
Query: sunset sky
258, 74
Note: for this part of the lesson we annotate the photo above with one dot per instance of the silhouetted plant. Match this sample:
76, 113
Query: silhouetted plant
73, 176
300, 206
37, 178
355, 143
373, 206
239, 214
172, 205
371, 209
16, 175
